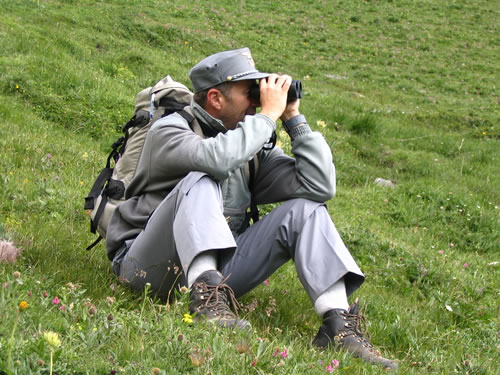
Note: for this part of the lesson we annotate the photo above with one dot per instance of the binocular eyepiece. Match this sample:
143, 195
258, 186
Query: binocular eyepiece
294, 92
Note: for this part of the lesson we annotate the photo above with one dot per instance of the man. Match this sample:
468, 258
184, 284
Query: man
184, 221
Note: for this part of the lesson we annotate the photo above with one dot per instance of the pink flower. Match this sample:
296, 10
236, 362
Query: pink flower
441, 252
266, 282
5, 285
329, 369
30, 293
284, 353
56, 301
276, 352
335, 363
466, 265
62, 307
45, 294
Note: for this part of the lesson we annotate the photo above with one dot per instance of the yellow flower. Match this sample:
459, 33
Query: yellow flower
188, 318
23, 305
85, 155
52, 339
321, 123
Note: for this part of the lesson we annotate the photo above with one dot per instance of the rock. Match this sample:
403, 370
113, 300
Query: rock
385, 183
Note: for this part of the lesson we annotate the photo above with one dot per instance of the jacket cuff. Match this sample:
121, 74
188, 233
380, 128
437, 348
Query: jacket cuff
297, 126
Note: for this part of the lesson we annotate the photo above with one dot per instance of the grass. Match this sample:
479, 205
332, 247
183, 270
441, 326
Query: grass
406, 91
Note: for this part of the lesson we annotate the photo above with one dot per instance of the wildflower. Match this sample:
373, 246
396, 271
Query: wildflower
441, 252
62, 307
111, 300
284, 353
16, 274
266, 282
85, 155
45, 294
184, 290
188, 318
92, 309
329, 368
56, 301
335, 363
5, 285
254, 362
466, 265
52, 339
180, 337
321, 123
23, 305
48, 156
156, 371
8, 252
196, 359
242, 347
186, 42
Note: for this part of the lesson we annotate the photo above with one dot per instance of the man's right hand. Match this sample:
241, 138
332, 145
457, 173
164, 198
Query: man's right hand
273, 95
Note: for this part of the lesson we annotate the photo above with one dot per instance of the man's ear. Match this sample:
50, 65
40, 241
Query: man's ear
214, 99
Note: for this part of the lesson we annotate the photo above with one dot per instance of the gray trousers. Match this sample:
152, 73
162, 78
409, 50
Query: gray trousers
190, 221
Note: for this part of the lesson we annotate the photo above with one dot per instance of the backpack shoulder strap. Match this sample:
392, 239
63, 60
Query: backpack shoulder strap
252, 165
187, 116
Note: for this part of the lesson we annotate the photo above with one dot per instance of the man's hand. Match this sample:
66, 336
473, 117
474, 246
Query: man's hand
273, 94
291, 110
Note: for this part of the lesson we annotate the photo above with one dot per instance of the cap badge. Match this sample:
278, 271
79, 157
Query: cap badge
250, 58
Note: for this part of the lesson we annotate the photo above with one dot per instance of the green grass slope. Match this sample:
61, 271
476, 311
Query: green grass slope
404, 90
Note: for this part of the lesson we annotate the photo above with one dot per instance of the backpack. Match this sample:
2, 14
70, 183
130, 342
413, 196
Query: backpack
164, 98
108, 191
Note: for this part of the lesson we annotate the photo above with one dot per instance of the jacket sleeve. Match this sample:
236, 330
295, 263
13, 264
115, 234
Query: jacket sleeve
311, 174
172, 150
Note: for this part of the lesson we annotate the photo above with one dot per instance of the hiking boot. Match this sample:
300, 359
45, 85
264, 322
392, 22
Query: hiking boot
342, 328
210, 298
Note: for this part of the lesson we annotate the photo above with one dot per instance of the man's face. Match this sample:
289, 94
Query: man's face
237, 105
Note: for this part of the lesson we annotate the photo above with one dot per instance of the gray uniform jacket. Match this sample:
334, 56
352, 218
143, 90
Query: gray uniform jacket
172, 150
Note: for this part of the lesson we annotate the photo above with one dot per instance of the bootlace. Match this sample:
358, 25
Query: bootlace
356, 325
217, 297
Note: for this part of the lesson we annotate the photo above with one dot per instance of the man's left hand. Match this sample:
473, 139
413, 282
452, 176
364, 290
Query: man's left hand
291, 110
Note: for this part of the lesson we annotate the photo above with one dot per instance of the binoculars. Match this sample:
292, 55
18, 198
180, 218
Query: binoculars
294, 92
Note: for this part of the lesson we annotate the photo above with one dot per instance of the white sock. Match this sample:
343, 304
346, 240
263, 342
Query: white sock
205, 261
334, 297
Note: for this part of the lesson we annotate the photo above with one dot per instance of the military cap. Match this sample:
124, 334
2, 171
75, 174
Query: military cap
227, 66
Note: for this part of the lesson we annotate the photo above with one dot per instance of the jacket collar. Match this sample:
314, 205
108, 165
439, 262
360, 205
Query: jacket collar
209, 124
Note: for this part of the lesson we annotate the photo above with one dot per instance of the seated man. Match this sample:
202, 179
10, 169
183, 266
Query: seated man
185, 223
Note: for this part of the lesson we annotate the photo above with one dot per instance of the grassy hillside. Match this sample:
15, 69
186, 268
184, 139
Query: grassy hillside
405, 90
